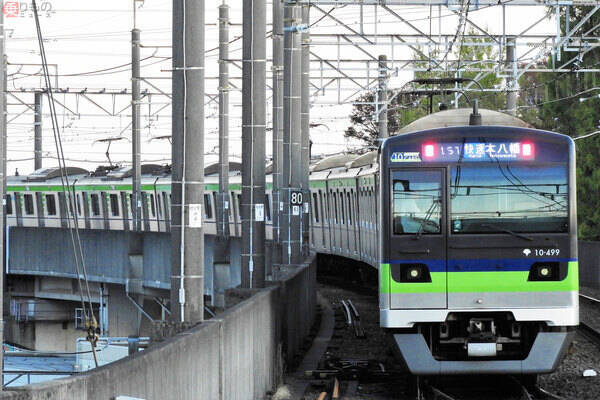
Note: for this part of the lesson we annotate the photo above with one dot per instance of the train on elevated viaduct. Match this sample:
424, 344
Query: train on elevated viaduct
472, 229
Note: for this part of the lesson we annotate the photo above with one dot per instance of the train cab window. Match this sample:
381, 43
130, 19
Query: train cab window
28, 204
315, 208
8, 203
50, 204
417, 202
208, 214
95, 204
114, 205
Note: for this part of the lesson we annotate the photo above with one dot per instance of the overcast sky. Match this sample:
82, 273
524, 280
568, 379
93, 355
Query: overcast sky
90, 44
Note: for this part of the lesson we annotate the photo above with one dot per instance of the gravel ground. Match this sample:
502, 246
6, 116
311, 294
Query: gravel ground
567, 381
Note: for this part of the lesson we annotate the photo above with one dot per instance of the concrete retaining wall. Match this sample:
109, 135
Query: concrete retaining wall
237, 356
589, 264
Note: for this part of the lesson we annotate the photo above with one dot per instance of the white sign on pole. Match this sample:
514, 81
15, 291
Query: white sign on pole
295, 210
195, 215
259, 212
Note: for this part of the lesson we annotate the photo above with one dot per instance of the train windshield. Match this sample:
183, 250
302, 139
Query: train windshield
417, 200
500, 197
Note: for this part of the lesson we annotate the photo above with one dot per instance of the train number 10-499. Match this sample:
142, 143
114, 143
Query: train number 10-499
546, 252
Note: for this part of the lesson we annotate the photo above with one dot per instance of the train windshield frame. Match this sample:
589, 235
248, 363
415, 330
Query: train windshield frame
501, 197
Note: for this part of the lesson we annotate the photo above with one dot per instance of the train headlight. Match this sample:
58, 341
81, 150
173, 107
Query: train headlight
545, 271
413, 272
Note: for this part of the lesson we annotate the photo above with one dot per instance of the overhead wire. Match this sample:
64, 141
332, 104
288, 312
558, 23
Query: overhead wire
75, 239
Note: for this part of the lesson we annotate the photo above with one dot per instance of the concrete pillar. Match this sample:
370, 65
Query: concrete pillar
136, 175
253, 142
221, 275
292, 163
305, 129
277, 127
37, 131
511, 83
187, 244
382, 97
2, 184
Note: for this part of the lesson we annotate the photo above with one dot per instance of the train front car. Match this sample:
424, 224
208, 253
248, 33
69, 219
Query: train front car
478, 256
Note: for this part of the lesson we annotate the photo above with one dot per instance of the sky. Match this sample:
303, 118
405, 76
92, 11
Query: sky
89, 42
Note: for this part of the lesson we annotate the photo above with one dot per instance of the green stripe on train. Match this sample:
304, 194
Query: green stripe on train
492, 281
98, 188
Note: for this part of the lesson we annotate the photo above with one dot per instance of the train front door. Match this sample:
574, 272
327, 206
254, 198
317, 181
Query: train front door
417, 252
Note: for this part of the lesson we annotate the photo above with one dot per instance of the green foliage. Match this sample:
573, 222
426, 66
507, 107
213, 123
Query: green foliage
575, 118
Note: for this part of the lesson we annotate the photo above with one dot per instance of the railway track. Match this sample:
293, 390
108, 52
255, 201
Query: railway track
586, 329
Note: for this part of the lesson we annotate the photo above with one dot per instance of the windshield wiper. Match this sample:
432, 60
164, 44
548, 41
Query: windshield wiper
515, 234
427, 218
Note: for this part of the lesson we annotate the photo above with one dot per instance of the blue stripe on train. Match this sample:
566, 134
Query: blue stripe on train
481, 265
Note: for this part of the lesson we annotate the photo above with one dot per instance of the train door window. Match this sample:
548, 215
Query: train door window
239, 205
335, 207
51, 204
350, 208
78, 200
342, 208
321, 204
166, 203
315, 207
8, 202
114, 205
95, 204
207, 207
268, 207
417, 202
152, 205
158, 203
28, 204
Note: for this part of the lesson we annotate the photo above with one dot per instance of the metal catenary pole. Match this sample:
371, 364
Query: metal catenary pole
382, 99
305, 133
187, 235
253, 142
37, 130
511, 83
291, 171
136, 175
276, 206
223, 198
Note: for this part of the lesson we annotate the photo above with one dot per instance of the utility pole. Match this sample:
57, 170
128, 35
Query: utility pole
511, 83
292, 163
221, 255
187, 234
276, 206
305, 129
136, 174
3, 249
37, 130
253, 142
382, 99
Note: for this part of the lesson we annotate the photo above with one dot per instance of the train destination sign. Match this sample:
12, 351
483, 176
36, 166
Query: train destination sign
468, 152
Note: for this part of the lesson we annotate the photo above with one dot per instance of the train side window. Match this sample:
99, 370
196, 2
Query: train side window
268, 207
95, 204
207, 207
8, 201
239, 205
28, 204
114, 205
51, 204
321, 204
315, 207
160, 212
